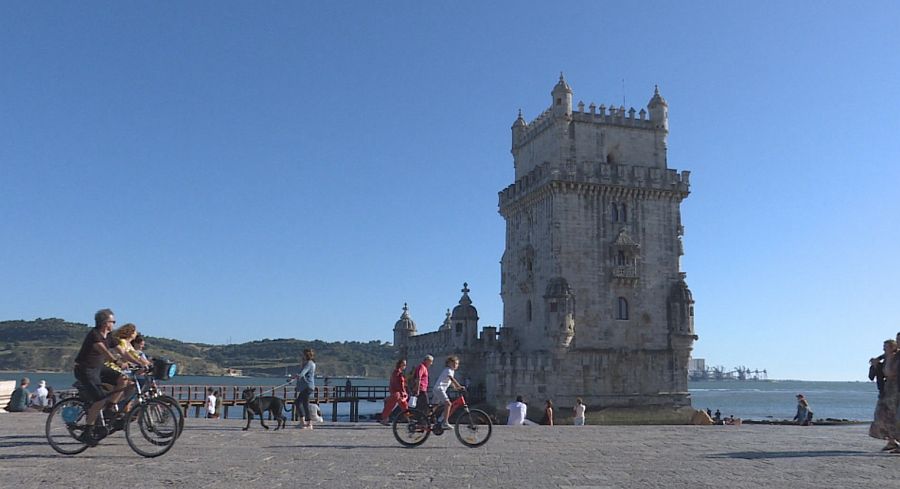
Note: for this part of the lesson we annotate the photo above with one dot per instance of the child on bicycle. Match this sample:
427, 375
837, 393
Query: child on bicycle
444, 381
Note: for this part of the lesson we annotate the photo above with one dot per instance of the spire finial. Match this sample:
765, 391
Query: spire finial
405, 314
520, 113
655, 89
561, 77
465, 289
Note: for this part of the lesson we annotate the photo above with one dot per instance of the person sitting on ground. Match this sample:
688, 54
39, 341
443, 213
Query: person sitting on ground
18, 402
444, 381
39, 397
579, 412
548, 414
517, 411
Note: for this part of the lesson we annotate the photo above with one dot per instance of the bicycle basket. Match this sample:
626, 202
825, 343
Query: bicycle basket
164, 369
70, 414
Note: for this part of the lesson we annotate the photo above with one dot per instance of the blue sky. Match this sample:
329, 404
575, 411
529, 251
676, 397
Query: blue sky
229, 171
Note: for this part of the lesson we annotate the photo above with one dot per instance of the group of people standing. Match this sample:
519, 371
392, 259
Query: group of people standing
884, 370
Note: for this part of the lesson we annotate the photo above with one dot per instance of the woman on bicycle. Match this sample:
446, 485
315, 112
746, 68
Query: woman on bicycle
444, 381
120, 342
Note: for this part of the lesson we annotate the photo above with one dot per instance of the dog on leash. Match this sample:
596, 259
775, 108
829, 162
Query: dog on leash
260, 404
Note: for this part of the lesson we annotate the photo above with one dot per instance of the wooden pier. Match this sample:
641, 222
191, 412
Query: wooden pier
194, 396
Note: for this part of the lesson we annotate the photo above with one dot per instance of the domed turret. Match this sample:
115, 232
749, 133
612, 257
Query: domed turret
445, 326
465, 310
518, 129
562, 98
404, 328
659, 110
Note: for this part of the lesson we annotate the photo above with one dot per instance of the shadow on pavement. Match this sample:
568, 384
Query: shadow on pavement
799, 454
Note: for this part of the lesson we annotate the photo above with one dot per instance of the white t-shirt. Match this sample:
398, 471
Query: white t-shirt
39, 397
517, 412
443, 381
211, 404
579, 410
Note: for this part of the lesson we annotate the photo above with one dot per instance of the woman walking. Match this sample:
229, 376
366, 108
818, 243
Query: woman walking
396, 393
306, 382
885, 425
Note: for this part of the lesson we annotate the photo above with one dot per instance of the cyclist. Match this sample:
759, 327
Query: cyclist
88, 366
444, 381
120, 342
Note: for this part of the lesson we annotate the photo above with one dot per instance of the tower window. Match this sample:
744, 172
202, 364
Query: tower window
624, 213
559, 101
528, 311
458, 328
620, 258
553, 306
623, 309
615, 212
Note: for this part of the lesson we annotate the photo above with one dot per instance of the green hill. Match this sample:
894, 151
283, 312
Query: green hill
51, 345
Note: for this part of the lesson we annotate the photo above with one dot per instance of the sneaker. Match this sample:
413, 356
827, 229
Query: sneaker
87, 438
445, 425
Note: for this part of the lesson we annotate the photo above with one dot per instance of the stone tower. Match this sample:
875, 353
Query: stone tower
594, 302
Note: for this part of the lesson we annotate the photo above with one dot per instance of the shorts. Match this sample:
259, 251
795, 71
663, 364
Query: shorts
109, 376
90, 383
440, 396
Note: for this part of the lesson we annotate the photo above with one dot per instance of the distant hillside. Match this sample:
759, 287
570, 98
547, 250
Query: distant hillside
51, 345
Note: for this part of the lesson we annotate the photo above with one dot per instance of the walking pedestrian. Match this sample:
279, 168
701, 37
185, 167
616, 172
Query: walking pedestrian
884, 426
306, 382
396, 392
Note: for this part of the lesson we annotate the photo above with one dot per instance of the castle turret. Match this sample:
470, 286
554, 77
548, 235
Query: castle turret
518, 130
464, 320
403, 329
659, 111
562, 98
559, 323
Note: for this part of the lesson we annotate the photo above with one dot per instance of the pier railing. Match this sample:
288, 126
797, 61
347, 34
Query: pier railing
194, 396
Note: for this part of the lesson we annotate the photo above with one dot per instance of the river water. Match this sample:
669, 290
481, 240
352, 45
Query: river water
757, 400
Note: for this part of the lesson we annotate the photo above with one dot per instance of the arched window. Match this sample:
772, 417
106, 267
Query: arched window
623, 309
620, 258
615, 212
528, 311
624, 213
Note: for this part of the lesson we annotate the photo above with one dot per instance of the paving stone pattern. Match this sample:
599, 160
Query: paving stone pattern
216, 453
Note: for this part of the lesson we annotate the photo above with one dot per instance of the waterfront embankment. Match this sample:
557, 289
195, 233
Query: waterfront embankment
351, 456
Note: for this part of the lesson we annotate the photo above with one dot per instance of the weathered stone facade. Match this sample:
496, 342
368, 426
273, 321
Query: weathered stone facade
595, 303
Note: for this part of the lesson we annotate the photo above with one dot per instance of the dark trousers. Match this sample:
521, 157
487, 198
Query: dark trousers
303, 401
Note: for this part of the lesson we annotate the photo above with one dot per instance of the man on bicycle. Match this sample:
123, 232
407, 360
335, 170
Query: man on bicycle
88, 366
444, 381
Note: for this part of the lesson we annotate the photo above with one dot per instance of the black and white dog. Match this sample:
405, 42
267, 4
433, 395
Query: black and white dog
260, 404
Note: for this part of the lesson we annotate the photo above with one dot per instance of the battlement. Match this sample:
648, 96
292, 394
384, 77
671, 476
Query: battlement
615, 116
604, 174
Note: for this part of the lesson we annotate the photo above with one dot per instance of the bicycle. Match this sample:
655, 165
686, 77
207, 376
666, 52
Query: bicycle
151, 427
473, 427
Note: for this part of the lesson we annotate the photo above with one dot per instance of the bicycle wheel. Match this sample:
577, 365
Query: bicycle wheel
176, 408
151, 428
473, 428
64, 424
411, 428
